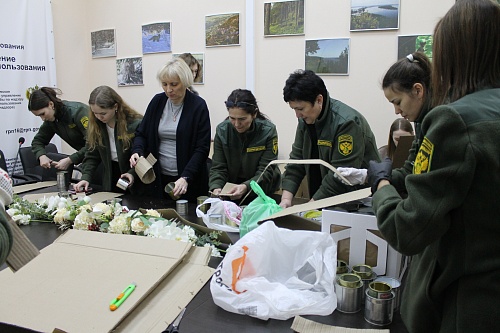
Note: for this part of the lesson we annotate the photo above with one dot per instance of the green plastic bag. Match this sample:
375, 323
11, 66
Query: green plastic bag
260, 208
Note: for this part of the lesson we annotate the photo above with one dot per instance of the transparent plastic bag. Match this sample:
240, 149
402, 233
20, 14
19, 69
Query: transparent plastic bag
228, 210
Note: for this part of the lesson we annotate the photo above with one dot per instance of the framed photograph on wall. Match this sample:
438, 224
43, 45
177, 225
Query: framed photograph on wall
412, 43
328, 56
156, 38
103, 43
374, 15
129, 72
222, 29
200, 74
284, 18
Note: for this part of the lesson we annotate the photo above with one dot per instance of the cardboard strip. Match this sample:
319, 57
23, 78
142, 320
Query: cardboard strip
23, 250
302, 325
30, 187
317, 204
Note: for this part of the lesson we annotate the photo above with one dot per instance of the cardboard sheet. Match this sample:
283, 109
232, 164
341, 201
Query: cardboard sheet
35, 186
70, 284
302, 325
402, 151
173, 294
96, 197
281, 217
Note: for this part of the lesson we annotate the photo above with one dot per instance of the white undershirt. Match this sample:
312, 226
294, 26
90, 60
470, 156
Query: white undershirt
112, 143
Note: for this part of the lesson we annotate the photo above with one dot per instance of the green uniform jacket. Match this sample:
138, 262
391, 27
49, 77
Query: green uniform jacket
398, 175
103, 154
245, 155
344, 140
450, 221
70, 124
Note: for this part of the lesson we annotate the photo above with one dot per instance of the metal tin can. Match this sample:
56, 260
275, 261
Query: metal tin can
349, 300
215, 218
396, 289
364, 271
379, 289
181, 206
122, 183
342, 267
349, 280
379, 311
169, 188
204, 207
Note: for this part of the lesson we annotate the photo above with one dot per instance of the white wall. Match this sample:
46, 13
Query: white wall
371, 53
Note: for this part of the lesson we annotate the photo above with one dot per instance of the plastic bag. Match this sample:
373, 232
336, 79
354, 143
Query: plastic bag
260, 208
277, 273
227, 209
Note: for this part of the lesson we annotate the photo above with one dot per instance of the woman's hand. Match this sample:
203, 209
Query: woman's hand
133, 159
286, 199
215, 192
62, 164
45, 162
81, 186
129, 177
238, 191
181, 186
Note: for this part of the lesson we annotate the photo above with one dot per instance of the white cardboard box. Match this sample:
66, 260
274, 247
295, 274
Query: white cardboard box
359, 228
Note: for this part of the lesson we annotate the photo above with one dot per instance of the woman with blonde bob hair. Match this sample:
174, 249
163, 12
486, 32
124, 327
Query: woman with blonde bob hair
111, 131
176, 130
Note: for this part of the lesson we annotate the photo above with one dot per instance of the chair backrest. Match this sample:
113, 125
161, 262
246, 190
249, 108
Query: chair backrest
3, 163
32, 166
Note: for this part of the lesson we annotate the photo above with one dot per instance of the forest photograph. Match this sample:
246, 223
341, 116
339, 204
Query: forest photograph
328, 56
222, 29
374, 14
284, 18
103, 43
129, 71
413, 43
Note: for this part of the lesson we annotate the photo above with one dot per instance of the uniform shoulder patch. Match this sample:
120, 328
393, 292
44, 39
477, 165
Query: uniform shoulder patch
424, 157
346, 144
85, 122
275, 146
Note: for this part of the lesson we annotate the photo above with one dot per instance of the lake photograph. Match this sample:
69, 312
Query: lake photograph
328, 56
374, 14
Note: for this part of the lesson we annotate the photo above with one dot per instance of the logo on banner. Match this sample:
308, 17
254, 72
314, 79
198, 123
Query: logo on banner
424, 157
345, 144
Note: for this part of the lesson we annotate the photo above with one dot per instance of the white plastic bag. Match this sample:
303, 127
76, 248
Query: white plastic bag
277, 273
227, 209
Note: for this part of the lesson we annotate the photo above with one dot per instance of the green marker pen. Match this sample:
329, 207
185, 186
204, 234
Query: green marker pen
122, 297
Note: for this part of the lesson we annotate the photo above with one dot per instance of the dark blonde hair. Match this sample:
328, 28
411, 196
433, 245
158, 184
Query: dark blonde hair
466, 50
106, 98
190, 61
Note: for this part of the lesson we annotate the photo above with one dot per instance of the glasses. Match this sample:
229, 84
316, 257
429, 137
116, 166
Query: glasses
231, 104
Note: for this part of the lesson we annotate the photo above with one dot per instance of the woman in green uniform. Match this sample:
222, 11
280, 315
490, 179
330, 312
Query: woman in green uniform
112, 125
449, 221
244, 144
67, 119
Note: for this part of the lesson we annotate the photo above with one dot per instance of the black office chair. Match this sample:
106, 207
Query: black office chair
17, 179
31, 165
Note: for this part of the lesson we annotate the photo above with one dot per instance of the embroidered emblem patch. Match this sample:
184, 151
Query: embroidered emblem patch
325, 143
424, 157
275, 146
71, 125
254, 149
85, 121
345, 144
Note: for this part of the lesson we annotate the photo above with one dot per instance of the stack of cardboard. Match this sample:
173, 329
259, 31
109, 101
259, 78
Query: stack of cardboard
70, 285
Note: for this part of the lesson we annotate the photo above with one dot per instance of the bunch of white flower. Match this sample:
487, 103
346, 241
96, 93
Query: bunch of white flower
83, 220
168, 230
120, 224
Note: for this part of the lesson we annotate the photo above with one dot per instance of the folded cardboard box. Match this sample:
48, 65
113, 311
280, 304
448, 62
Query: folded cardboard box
70, 285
